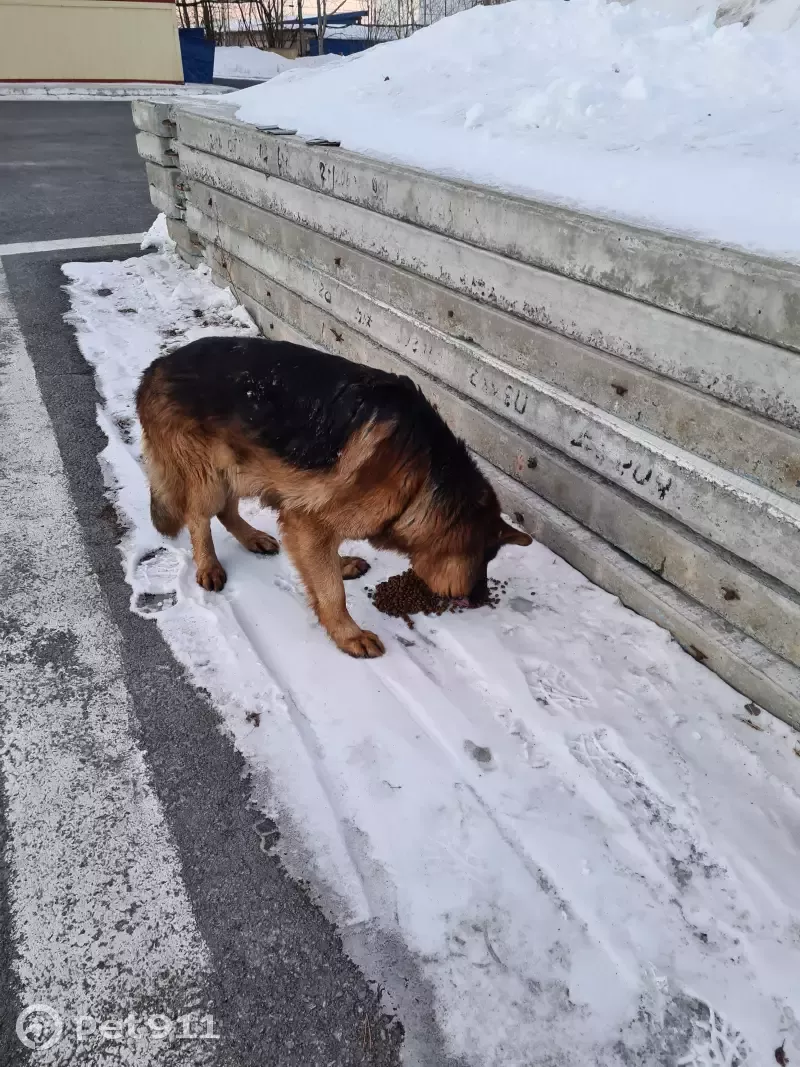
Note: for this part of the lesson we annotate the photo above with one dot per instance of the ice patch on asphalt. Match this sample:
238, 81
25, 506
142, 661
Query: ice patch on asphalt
585, 841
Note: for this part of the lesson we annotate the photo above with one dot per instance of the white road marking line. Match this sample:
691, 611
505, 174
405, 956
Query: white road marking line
102, 923
22, 247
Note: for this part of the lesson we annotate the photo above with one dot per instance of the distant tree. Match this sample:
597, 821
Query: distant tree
322, 21
258, 22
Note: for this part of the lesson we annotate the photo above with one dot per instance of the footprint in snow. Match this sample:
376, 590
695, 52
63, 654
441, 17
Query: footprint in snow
155, 582
553, 685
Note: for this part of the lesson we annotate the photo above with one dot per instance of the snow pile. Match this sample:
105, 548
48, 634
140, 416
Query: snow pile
248, 62
648, 111
157, 237
544, 826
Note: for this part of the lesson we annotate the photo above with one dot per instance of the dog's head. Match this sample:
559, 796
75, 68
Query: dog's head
454, 561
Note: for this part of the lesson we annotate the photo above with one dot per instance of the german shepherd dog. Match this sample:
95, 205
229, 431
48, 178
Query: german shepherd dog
342, 451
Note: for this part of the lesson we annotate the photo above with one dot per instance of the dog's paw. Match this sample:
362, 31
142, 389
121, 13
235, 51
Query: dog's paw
212, 577
353, 567
261, 543
364, 645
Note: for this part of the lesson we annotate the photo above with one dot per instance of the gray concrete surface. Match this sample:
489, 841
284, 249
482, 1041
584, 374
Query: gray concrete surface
168, 185
154, 116
749, 373
158, 150
75, 91
737, 291
277, 980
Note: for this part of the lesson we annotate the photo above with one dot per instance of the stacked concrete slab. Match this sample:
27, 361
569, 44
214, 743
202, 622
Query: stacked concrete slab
636, 395
155, 140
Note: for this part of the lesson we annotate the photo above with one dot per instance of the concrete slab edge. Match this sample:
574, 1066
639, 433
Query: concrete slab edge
733, 289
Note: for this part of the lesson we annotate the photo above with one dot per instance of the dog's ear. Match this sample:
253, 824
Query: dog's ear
510, 536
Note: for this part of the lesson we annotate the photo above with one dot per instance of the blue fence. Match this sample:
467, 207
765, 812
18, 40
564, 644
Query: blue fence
197, 56
338, 46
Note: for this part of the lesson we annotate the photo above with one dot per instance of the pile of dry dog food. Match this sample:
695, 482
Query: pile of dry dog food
404, 595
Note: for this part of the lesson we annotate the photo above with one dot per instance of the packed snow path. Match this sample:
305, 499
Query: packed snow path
585, 839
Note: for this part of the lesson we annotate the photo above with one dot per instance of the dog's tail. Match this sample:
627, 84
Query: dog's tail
166, 517
167, 495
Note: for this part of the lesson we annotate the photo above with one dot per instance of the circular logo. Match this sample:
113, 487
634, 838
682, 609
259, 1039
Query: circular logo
39, 1027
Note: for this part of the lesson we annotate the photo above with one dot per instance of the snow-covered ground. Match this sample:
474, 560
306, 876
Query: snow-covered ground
584, 840
247, 62
648, 111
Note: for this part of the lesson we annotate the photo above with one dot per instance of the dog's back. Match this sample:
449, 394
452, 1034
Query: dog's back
301, 405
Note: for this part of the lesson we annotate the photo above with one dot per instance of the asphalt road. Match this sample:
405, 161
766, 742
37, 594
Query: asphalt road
69, 170
261, 958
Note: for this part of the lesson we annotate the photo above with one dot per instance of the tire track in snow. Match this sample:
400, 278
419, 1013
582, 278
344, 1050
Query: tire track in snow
352, 885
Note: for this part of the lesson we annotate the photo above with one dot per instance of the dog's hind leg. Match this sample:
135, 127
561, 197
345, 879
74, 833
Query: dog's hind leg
210, 572
248, 536
206, 497
315, 552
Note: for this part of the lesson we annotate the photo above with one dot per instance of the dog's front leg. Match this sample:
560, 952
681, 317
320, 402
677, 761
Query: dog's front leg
314, 549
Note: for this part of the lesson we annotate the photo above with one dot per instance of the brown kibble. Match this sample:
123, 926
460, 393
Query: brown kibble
406, 594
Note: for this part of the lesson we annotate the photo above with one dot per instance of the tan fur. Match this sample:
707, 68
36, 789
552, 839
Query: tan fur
196, 474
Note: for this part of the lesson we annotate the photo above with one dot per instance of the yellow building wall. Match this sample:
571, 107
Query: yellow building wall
89, 40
